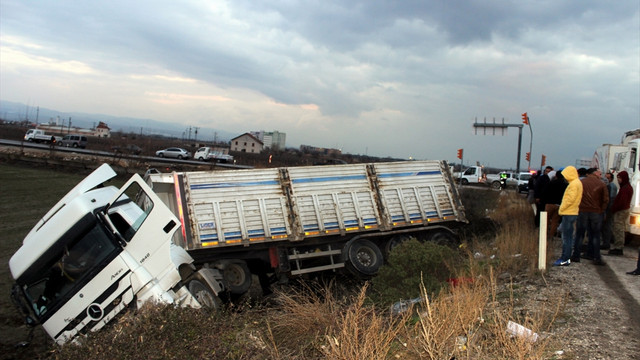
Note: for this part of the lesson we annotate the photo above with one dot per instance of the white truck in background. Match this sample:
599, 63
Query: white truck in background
471, 175
616, 158
187, 237
39, 136
605, 156
206, 153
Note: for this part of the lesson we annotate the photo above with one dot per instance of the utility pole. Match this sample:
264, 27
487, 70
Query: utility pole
501, 127
525, 120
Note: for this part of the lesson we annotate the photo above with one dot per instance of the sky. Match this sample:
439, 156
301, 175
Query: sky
404, 79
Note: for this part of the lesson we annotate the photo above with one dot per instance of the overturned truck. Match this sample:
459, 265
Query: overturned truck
188, 237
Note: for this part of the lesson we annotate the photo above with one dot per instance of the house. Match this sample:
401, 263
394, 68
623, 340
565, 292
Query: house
247, 143
102, 130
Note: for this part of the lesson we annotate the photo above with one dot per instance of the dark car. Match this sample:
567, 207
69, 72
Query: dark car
174, 152
128, 149
73, 140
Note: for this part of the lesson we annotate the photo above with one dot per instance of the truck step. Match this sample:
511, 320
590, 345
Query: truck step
317, 268
314, 254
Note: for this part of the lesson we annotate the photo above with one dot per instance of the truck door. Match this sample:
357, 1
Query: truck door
144, 226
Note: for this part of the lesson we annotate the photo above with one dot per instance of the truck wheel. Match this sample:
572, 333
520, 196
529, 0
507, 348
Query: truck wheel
363, 256
179, 157
495, 185
236, 277
204, 295
443, 237
201, 158
464, 182
393, 242
75, 145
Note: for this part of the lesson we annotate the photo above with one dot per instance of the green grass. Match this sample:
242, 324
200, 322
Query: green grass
26, 194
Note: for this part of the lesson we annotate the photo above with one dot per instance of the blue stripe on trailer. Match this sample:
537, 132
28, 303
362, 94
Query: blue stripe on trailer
278, 231
233, 184
328, 178
209, 237
370, 221
412, 173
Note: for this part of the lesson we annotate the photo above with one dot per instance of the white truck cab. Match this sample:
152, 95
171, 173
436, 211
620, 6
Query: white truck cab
95, 252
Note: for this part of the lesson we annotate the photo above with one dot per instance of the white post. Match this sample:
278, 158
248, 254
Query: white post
542, 243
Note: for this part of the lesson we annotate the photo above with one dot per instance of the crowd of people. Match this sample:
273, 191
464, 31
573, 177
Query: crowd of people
587, 209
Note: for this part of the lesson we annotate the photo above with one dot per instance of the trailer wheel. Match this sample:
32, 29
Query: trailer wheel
443, 237
204, 295
236, 277
363, 256
393, 242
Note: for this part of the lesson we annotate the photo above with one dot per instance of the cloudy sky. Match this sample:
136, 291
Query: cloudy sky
384, 78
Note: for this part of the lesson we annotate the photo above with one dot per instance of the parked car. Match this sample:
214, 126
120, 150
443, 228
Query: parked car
73, 140
174, 152
128, 149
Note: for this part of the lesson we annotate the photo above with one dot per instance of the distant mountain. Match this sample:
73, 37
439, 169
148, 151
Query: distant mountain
13, 111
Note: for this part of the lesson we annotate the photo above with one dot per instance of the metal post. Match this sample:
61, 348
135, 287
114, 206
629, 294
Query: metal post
542, 243
519, 147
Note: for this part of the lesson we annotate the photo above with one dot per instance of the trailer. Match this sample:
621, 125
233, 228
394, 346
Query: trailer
300, 220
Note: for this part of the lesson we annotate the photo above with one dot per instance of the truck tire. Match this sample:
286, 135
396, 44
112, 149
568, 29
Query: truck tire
204, 295
464, 182
236, 276
393, 242
496, 185
363, 256
75, 145
443, 237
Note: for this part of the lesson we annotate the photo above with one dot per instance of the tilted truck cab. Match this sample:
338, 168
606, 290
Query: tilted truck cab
95, 252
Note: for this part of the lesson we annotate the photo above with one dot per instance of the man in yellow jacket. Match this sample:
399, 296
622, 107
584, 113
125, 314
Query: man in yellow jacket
569, 209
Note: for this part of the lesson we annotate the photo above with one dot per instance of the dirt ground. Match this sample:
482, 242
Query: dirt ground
602, 317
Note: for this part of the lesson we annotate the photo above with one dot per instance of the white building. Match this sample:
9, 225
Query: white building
274, 140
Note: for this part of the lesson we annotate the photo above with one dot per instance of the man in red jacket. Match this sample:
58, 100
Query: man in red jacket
620, 211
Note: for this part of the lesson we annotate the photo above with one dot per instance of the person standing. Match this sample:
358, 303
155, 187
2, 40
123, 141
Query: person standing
637, 270
620, 211
553, 197
569, 209
531, 186
541, 184
595, 198
607, 227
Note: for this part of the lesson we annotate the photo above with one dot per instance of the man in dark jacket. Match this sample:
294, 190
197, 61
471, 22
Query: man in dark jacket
552, 197
595, 198
620, 211
541, 184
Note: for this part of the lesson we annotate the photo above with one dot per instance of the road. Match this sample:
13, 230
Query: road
148, 159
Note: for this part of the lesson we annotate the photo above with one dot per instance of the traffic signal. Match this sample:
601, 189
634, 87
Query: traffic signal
544, 160
525, 119
528, 157
460, 154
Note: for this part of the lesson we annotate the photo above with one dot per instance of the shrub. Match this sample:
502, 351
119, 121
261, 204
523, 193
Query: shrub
408, 264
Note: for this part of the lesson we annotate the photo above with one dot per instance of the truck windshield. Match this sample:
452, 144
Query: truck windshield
63, 272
